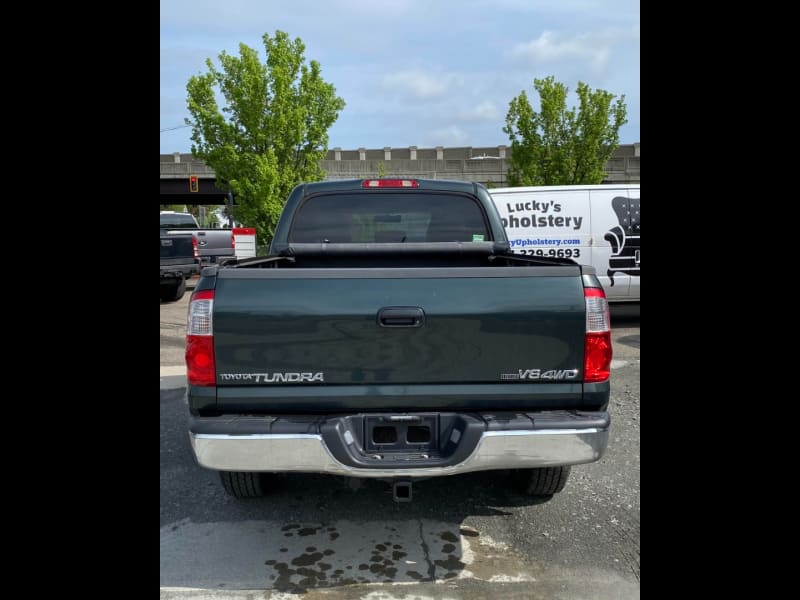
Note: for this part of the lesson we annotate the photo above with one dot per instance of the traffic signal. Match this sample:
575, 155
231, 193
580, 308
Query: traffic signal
193, 183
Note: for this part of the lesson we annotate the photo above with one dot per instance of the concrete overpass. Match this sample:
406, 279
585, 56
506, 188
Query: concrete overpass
175, 186
486, 164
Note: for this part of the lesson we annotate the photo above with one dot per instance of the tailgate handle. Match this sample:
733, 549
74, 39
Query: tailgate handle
401, 316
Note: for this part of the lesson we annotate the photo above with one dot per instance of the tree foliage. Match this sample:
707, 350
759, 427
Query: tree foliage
557, 146
272, 131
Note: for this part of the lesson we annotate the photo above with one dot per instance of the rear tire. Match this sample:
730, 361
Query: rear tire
243, 485
173, 293
541, 482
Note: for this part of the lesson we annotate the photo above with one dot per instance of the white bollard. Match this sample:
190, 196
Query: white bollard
244, 239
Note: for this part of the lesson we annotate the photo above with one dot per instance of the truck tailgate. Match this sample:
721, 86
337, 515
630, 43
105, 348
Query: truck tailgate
214, 242
335, 339
176, 249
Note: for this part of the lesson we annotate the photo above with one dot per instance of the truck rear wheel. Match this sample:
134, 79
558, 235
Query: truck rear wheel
243, 485
541, 482
173, 293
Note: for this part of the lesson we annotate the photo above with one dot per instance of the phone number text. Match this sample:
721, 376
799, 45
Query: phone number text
557, 252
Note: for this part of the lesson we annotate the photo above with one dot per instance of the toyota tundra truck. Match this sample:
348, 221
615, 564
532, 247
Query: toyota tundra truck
392, 334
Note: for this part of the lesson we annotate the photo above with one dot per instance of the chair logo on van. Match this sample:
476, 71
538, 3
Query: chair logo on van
624, 238
540, 375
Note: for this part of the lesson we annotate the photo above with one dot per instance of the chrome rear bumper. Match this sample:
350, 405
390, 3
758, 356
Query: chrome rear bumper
308, 453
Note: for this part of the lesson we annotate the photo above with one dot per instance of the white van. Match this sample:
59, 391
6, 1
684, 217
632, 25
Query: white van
596, 225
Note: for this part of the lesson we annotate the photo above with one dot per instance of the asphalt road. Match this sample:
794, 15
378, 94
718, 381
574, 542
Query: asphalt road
468, 536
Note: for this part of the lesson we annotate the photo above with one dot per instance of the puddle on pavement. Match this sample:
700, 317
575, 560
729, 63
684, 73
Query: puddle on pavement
322, 555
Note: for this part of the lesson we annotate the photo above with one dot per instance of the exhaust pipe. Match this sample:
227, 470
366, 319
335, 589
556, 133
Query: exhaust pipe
401, 491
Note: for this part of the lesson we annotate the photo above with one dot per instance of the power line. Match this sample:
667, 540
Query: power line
174, 128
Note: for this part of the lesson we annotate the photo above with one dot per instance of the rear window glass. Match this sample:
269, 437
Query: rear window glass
178, 221
388, 218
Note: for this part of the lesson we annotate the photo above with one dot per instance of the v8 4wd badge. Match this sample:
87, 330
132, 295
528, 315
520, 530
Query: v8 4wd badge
540, 375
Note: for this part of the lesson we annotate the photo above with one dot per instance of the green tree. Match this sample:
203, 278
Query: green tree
212, 219
557, 146
381, 170
272, 132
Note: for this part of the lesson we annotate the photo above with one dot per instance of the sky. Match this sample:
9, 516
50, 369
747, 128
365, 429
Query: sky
422, 73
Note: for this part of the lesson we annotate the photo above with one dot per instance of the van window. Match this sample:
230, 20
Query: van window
389, 218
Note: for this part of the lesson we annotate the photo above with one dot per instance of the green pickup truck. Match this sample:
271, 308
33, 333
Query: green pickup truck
392, 334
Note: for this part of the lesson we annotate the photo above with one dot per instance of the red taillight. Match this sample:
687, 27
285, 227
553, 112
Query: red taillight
389, 183
194, 247
200, 365
597, 357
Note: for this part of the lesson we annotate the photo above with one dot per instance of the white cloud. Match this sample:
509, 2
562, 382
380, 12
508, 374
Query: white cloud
573, 8
485, 111
448, 136
419, 84
369, 7
592, 48
262, 16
